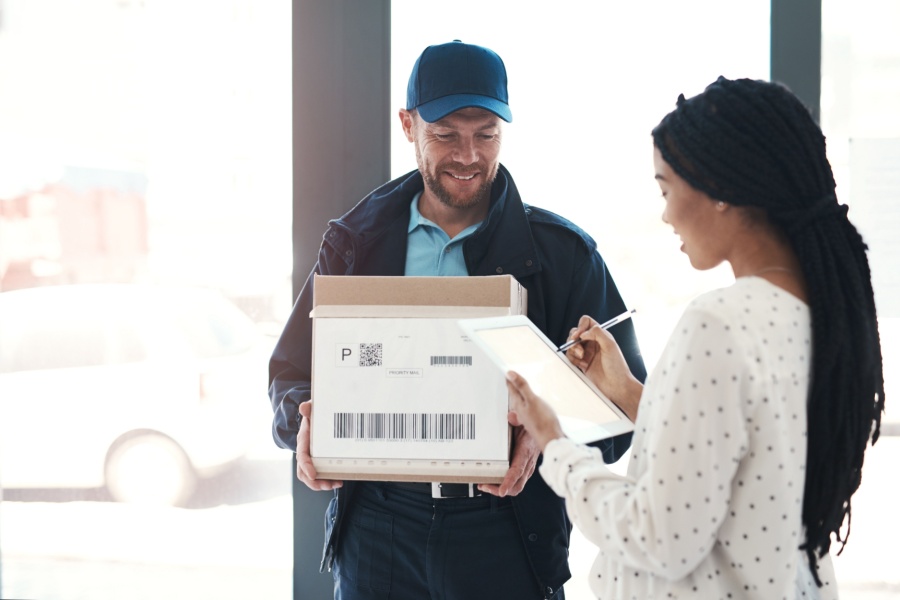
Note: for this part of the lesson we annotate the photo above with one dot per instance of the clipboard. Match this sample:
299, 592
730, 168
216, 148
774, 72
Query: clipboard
514, 343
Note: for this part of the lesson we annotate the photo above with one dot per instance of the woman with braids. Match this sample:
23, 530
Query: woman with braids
750, 432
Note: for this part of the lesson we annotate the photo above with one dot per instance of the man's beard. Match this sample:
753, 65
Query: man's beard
433, 182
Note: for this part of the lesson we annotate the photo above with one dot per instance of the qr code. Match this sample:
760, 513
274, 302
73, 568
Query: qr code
370, 355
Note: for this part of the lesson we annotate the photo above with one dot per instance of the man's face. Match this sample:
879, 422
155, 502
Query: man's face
458, 155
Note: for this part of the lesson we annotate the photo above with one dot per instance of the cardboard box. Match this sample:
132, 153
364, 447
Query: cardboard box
399, 392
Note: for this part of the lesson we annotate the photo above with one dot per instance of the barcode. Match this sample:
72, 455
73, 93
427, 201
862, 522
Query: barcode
404, 426
451, 361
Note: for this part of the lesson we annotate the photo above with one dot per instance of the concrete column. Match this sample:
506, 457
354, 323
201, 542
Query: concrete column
341, 120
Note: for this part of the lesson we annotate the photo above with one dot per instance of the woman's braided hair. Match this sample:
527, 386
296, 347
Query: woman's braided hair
753, 143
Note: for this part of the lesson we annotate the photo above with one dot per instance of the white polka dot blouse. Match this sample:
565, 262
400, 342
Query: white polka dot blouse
711, 505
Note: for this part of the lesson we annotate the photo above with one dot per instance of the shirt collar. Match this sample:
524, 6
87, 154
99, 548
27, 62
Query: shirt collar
415, 217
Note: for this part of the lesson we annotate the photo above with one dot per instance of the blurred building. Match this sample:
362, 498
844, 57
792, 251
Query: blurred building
89, 226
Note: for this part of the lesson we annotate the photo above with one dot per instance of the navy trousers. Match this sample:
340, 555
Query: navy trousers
399, 544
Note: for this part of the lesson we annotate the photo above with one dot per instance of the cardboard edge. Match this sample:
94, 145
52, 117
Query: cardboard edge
447, 471
407, 311
488, 290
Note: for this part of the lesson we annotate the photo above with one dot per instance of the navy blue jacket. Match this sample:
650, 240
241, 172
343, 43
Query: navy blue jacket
551, 257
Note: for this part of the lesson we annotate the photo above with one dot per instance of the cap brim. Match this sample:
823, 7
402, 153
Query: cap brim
440, 108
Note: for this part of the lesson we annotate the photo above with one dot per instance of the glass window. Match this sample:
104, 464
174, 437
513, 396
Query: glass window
860, 96
145, 261
861, 121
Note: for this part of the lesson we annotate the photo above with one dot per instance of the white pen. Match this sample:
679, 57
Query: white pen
614, 321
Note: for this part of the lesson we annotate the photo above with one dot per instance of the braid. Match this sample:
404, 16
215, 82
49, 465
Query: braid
752, 143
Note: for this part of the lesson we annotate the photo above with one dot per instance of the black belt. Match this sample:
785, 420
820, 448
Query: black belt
440, 490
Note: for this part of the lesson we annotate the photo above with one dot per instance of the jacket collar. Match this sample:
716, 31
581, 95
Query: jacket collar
503, 244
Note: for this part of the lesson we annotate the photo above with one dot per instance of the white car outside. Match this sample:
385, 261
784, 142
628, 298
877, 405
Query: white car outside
141, 389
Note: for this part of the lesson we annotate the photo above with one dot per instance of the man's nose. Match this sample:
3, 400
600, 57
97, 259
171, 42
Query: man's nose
465, 151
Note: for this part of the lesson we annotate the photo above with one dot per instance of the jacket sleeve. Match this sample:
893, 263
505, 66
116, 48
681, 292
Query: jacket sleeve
290, 369
594, 293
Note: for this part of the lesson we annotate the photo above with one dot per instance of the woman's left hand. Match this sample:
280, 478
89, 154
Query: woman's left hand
531, 411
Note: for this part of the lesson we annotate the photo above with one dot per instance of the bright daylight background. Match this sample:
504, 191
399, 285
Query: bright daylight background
149, 142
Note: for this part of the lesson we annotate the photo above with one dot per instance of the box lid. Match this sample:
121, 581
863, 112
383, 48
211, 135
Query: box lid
342, 293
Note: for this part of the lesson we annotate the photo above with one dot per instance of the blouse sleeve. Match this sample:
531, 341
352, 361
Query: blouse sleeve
691, 438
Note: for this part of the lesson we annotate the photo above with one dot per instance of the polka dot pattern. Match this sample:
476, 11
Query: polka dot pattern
711, 506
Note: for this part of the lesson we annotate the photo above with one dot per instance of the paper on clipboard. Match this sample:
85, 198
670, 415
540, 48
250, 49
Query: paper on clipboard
515, 343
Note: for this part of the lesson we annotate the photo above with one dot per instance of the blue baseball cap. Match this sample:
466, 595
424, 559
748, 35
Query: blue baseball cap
455, 75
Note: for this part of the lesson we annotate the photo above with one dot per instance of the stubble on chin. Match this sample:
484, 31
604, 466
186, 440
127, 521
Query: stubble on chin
434, 185
482, 194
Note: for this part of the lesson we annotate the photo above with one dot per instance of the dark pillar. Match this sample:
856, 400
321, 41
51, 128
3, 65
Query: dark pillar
341, 120
796, 49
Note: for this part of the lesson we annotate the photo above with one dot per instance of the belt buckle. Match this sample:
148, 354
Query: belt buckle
441, 491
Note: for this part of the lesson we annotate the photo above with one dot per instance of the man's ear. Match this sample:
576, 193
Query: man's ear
408, 122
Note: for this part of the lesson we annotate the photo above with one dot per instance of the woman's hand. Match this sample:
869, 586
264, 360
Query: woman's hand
601, 359
531, 412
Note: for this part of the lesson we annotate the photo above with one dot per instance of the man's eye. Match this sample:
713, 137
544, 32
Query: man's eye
443, 136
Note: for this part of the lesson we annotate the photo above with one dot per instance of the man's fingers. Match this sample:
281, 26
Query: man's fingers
306, 409
306, 471
515, 479
512, 488
522, 465
490, 488
509, 481
307, 474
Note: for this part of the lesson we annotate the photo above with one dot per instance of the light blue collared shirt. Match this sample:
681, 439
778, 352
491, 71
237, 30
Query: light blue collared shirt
430, 251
